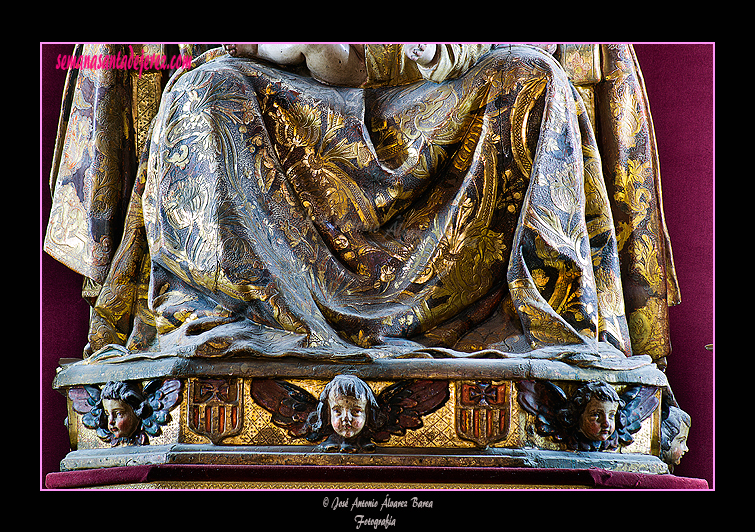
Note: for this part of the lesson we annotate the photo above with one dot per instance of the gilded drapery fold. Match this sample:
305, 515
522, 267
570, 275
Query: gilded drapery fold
633, 180
92, 170
273, 215
104, 119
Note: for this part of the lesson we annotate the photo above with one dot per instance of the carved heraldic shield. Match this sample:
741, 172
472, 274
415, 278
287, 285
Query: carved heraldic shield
215, 408
483, 411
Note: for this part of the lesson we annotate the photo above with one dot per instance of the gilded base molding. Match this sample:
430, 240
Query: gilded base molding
199, 454
440, 413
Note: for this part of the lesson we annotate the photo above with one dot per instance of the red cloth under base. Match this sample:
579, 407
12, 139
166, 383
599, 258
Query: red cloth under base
591, 478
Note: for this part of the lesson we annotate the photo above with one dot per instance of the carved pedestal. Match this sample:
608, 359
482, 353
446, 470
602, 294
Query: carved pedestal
426, 413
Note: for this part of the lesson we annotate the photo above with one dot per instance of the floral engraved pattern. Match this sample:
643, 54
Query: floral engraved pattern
274, 215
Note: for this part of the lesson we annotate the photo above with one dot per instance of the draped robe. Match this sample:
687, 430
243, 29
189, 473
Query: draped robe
274, 215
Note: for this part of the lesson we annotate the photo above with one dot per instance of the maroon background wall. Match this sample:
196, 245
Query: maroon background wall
679, 81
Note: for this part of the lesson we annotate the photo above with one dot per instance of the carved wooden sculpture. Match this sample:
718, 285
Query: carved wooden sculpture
143, 412
566, 419
394, 410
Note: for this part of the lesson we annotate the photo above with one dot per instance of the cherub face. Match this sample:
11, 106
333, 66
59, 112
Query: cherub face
348, 415
121, 420
598, 421
679, 444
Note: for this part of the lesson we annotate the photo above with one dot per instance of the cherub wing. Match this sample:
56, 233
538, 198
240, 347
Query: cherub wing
161, 396
543, 400
289, 405
639, 403
84, 400
402, 405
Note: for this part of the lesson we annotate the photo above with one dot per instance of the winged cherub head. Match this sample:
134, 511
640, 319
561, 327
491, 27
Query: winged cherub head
348, 405
593, 411
674, 434
123, 406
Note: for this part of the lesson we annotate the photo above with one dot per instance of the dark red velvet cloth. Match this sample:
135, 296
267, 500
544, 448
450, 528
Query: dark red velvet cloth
505, 477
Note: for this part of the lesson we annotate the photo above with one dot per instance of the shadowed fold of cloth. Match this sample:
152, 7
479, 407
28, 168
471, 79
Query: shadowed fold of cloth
272, 215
